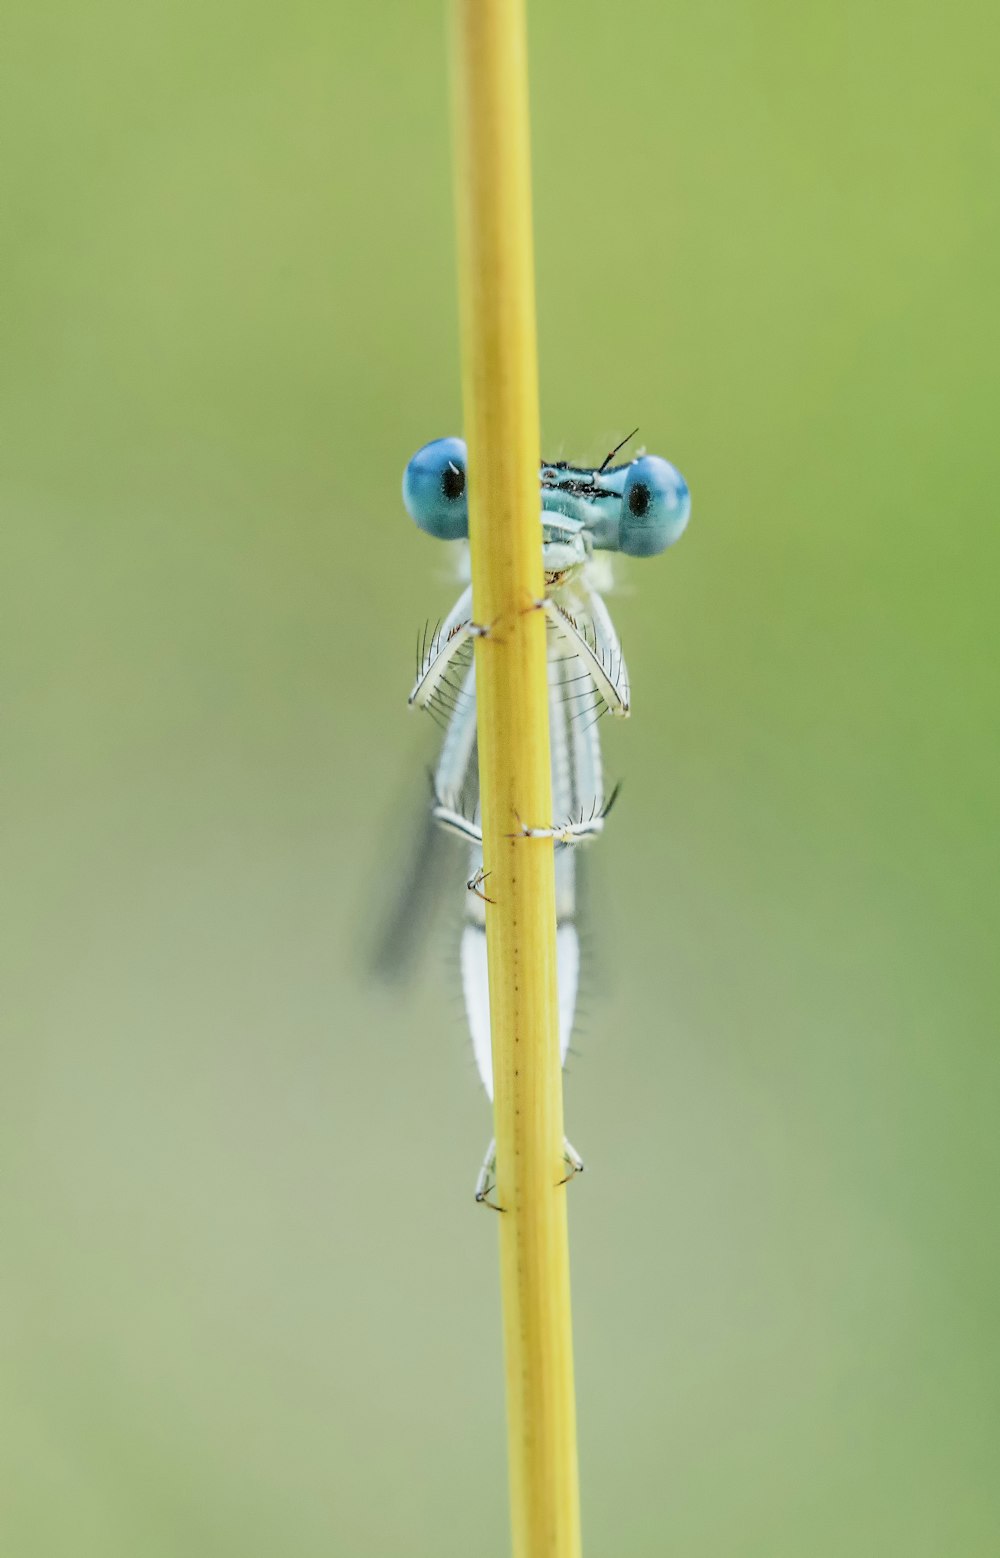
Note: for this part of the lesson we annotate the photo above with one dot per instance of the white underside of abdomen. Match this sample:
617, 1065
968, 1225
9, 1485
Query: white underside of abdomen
476, 988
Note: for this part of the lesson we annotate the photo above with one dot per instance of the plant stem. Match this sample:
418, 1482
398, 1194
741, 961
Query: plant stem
500, 391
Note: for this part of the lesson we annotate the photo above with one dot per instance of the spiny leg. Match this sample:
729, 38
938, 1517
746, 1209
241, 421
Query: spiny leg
456, 822
484, 1184
572, 832
475, 885
452, 770
577, 788
609, 647
435, 657
600, 657
573, 1162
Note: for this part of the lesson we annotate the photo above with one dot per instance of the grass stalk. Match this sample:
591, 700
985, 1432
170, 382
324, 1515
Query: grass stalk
500, 393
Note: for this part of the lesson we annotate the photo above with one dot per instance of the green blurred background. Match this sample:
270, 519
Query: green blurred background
249, 1306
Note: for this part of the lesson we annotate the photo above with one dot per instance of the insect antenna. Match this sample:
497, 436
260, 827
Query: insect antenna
614, 451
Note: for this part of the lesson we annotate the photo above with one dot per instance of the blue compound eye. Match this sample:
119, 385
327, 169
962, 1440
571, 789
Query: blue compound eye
656, 506
434, 489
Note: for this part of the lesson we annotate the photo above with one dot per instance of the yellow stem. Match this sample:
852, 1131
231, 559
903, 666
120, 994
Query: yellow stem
500, 391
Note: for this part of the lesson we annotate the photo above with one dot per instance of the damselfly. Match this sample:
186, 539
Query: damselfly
639, 509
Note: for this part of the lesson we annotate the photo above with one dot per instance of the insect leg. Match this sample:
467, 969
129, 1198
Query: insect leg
485, 1183
573, 1162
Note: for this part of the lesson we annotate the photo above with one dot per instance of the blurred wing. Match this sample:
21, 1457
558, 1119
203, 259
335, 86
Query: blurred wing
417, 882
416, 890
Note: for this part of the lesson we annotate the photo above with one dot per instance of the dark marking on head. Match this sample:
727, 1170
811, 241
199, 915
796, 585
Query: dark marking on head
578, 481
